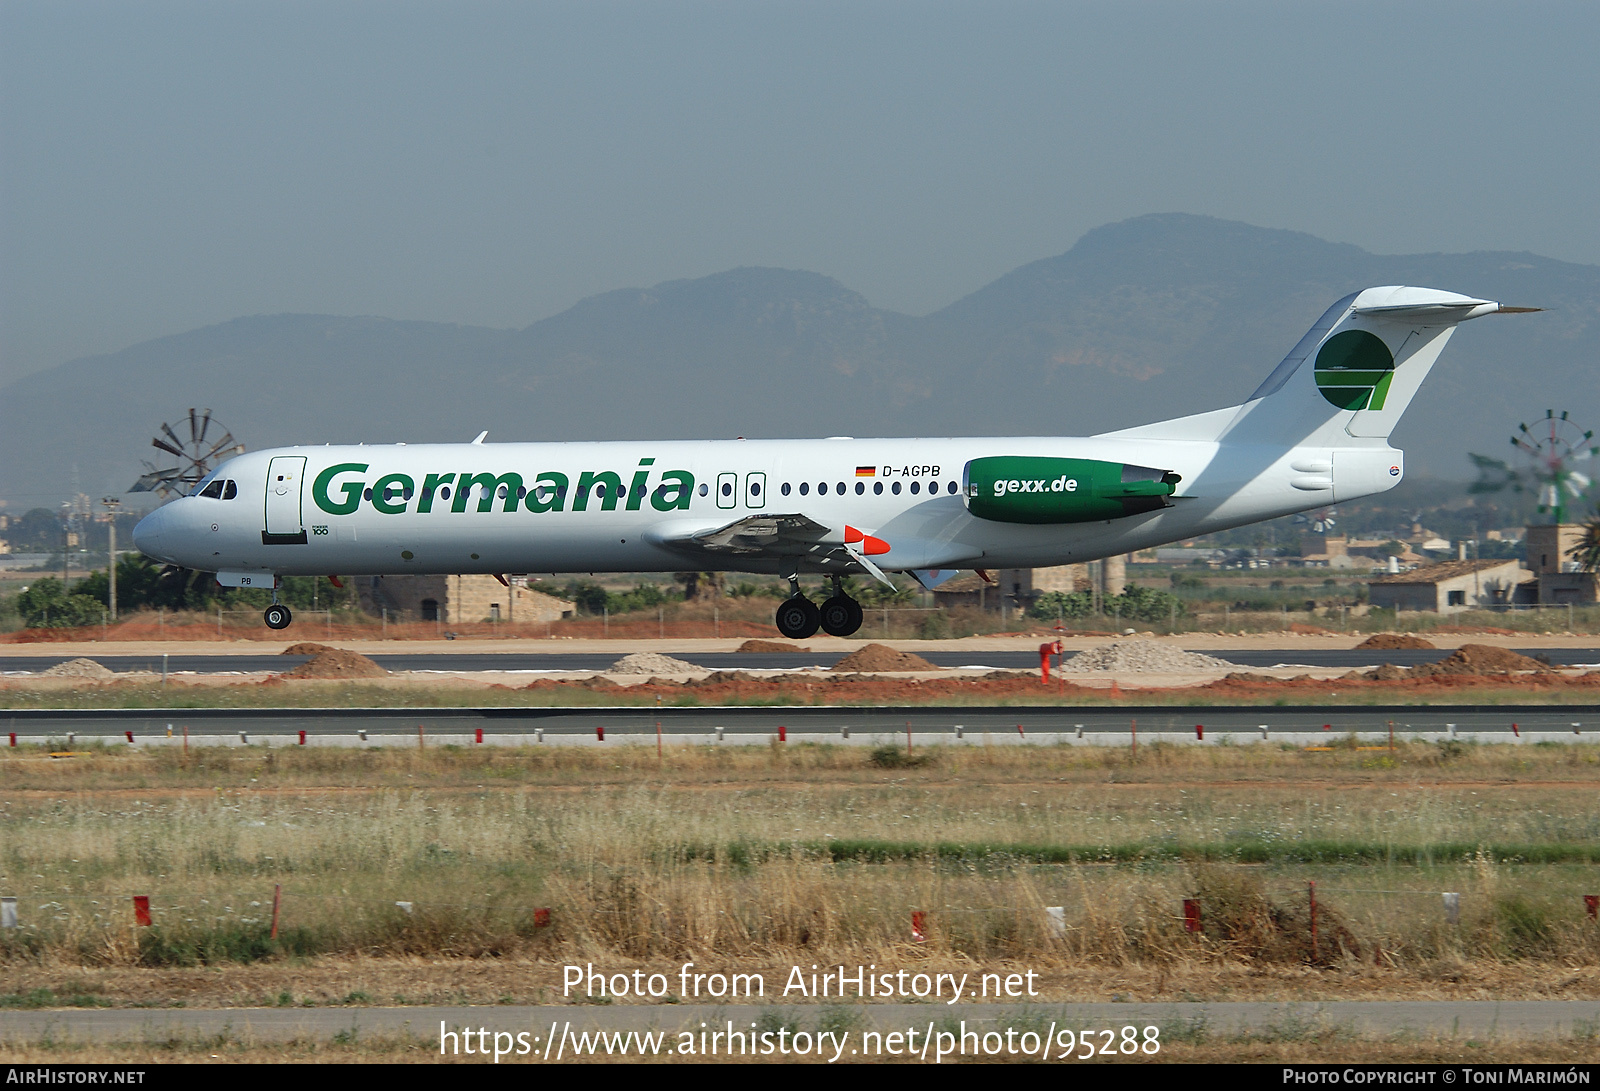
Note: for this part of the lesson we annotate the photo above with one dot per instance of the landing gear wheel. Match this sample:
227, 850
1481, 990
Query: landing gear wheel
278, 616
841, 615
798, 618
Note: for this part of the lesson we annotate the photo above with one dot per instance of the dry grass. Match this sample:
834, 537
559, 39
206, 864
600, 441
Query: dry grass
762, 857
1295, 1042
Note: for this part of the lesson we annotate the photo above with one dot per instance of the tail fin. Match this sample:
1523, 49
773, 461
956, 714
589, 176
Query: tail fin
1351, 376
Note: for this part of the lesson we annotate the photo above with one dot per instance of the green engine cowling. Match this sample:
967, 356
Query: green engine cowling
1026, 489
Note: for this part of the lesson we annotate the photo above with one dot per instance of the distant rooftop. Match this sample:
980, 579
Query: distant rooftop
1449, 570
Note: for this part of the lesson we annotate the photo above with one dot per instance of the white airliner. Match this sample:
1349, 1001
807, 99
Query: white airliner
1314, 433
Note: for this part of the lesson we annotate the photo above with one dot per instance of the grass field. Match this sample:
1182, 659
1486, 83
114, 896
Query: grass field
758, 858
822, 690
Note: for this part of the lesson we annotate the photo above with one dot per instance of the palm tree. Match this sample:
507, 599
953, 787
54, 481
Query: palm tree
1587, 551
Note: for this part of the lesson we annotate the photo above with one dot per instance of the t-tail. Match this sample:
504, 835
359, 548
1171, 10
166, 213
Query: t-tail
1348, 381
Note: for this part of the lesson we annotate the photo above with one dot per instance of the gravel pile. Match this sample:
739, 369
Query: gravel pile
652, 663
1142, 657
80, 668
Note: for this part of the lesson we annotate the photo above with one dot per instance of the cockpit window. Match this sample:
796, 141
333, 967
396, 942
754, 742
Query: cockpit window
203, 484
213, 490
230, 490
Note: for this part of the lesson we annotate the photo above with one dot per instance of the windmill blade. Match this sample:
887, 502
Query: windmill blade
205, 423
194, 428
178, 451
221, 445
173, 436
156, 480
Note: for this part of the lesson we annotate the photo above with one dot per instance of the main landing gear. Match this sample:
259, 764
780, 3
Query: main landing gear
799, 617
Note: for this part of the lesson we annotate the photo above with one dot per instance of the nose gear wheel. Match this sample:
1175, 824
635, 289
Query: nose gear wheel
278, 616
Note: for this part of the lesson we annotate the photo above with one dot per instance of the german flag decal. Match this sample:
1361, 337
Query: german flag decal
866, 471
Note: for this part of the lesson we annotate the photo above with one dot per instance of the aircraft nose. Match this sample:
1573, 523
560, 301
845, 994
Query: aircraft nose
147, 533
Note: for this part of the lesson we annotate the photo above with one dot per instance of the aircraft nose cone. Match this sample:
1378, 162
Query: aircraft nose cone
147, 534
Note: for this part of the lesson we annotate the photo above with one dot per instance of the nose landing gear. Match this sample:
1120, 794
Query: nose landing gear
278, 616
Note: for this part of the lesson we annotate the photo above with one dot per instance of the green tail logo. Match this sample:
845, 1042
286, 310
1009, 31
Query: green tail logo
1354, 369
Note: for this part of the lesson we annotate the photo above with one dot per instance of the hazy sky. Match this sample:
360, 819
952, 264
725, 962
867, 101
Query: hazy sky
168, 165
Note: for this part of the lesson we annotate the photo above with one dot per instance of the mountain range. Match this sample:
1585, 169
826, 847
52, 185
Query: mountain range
1152, 317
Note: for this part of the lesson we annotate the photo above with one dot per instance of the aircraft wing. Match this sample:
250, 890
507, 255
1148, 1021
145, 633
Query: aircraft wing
778, 537
771, 535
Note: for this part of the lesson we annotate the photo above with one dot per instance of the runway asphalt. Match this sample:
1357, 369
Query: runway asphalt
1375, 1019
559, 661
858, 724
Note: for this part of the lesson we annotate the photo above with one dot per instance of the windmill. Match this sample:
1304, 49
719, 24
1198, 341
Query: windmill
185, 461
1552, 455
1320, 521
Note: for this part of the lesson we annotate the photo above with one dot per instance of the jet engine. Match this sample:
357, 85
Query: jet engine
1028, 489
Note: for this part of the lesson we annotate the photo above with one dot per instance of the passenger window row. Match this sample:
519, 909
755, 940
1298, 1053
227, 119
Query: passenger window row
877, 488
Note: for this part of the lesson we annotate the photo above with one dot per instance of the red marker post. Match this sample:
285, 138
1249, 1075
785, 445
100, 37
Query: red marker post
479, 735
919, 926
1191, 915
541, 918
302, 738
141, 910
600, 733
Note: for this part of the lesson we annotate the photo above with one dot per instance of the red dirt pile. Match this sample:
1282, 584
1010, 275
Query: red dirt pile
879, 657
307, 648
1391, 641
769, 647
337, 663
1479, 659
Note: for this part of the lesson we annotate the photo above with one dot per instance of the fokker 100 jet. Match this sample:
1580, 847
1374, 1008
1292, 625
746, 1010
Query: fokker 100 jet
1315, 432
